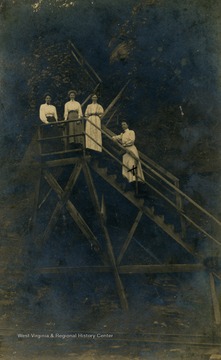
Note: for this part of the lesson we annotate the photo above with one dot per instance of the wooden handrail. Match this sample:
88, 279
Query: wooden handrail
108, 133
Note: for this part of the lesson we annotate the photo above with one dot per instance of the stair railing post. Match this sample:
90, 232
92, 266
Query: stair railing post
39, 142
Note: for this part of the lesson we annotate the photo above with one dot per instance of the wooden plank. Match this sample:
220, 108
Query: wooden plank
60, 162
154, 269
94, 196
74, 269
127, 269
216, 306
129, 237
63, 152
63, 197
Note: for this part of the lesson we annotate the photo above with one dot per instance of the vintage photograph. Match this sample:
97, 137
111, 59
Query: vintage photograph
110, 179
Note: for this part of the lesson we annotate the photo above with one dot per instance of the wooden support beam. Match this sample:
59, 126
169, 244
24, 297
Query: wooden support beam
76, 216
81, 223
103, 210
63, 152
75, 269
127, 269
179, 203
89, 96
112, 115
62, 197
216, 306
155, 269
83, 67
91, 188
146, 211
94, 196
32, 222
45, 198
129, 237
120, 288
60, 162
111, 105
83, 61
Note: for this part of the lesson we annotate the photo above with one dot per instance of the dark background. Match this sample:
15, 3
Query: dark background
170, 51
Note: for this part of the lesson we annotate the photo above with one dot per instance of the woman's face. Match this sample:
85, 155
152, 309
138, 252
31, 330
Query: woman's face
72, 96
94, 99
124, 125
48, 99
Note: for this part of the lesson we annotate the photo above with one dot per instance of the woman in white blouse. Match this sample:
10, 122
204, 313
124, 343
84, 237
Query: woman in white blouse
48, 112
93, 113
48, 115
73, 111
131, 169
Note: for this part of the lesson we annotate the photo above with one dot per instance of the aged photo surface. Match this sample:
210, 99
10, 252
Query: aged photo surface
110, 179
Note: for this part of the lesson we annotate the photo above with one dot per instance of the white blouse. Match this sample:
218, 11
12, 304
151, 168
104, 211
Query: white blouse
94, 109
72, 106
127, 138
47, 110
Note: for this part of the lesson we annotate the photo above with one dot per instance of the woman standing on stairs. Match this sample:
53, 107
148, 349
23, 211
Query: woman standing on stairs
48, 112
48, 115
131, 168
93, 114
72, 111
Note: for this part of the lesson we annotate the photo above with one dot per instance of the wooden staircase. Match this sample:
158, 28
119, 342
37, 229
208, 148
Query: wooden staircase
139, 203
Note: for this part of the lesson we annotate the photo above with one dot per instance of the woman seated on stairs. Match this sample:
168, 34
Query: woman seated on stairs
131, 168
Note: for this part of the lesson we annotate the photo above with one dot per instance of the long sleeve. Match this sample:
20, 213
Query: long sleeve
80, 113
66, 111
100, 110
42, 114
55, 114
117, 137
87, 112
128, 138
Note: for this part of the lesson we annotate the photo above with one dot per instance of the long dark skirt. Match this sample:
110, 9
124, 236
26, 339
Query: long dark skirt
50, 131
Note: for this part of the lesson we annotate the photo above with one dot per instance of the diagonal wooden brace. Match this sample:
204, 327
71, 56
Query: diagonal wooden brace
76, 216
63, 196
94, 196
215, 300
129, 237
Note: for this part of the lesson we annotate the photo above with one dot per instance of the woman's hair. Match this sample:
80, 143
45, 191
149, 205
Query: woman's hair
125, 121
47, 94
72, 91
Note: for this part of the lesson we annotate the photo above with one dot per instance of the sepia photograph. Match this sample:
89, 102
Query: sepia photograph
110, 179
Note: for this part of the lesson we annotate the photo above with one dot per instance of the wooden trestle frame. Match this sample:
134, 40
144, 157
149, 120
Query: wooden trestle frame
83, 164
